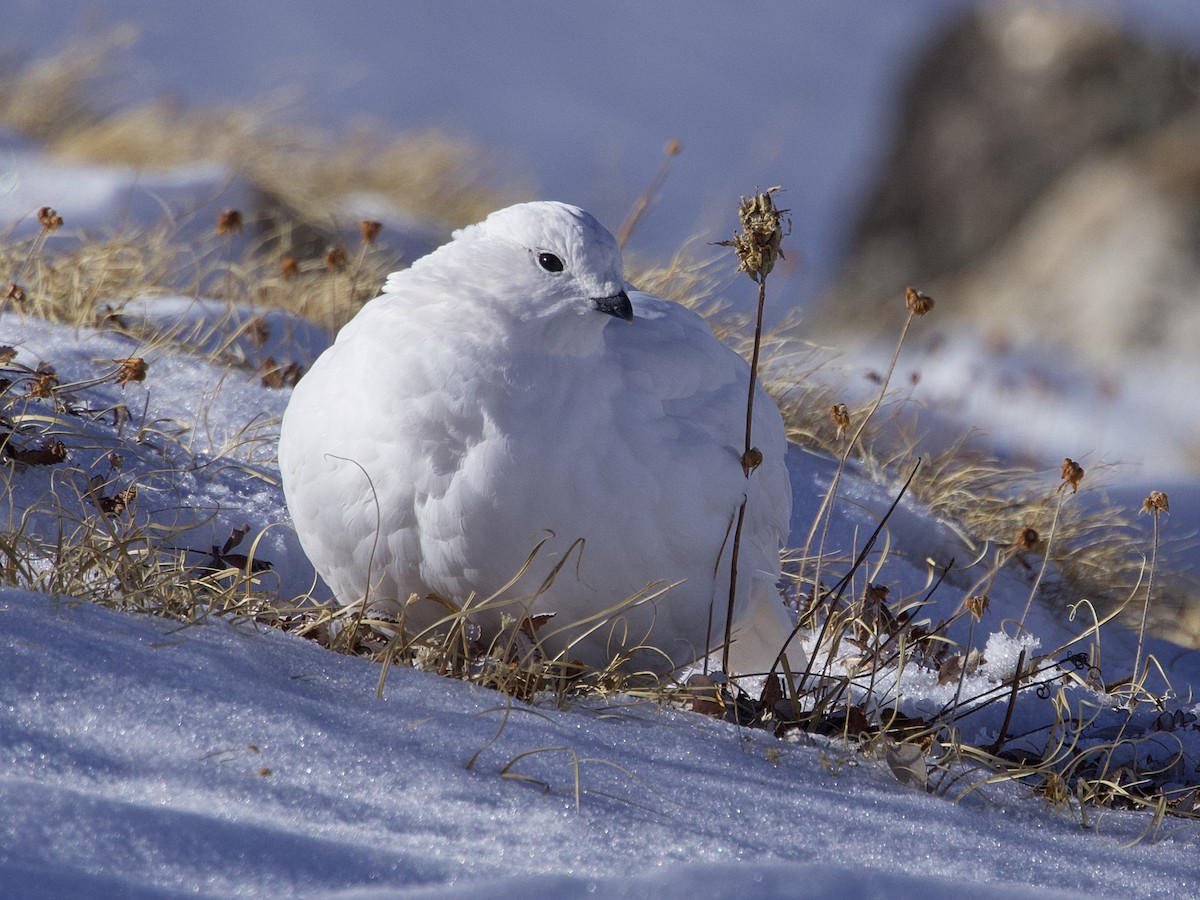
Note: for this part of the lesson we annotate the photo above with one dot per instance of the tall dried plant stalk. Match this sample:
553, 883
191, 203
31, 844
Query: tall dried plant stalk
757, 247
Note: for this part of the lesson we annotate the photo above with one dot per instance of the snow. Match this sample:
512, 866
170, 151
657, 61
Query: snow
140, 758
103, 198
135, 758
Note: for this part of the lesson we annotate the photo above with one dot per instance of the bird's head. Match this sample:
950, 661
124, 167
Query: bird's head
548, 259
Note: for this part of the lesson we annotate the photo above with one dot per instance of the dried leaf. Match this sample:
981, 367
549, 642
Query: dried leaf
259, 331
118, 502
907, 762
44, 384
530, 625
950, 669
50, 453
856, 721
238, 561
236, 536
953, 666
335, 258
976, 605
706, 696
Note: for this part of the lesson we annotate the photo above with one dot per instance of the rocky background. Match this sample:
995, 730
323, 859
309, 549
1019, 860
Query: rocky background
1044, 187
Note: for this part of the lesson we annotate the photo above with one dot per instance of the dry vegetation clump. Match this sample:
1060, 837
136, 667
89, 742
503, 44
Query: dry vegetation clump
90, 282
1097, 745
95, 507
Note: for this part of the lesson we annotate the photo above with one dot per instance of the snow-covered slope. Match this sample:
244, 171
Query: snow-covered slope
138, 759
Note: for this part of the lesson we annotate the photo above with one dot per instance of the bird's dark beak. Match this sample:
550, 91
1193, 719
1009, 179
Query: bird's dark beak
617, 305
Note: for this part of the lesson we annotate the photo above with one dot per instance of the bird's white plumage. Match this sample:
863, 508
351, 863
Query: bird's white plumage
482, 404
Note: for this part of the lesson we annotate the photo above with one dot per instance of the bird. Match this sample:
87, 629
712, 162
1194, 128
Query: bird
511, 432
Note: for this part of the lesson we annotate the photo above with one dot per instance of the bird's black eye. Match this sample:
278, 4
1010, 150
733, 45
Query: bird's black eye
550, 262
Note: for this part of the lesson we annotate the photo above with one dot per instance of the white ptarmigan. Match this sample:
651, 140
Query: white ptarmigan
510, 389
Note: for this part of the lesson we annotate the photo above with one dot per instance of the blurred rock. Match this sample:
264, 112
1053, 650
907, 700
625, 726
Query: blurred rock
1045, 183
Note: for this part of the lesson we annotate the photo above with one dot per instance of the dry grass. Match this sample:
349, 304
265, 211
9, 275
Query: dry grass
863, 645
302, 173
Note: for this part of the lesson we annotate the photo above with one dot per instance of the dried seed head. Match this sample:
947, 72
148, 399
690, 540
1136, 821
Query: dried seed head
49, 219
369, 229
117, 503
259, 331
289, 268
1027, 539
15, 293
757, 246
917, 302
275, 375
840, 414
1156, 503
335, 258
132, 369
674, 148
229, 221
44, 385
751, 460
1072, 474
876, 594
1054, 789
976, 605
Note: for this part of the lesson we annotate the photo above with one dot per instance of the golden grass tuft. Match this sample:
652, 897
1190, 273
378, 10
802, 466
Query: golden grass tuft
426, 174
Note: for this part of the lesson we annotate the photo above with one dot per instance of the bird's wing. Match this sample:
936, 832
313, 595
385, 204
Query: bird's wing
703, 386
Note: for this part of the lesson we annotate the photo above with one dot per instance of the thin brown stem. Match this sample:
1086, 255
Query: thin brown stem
642, 203
824, 513
1137, 656
733, 573
762, 299
747, 467
1037, 582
